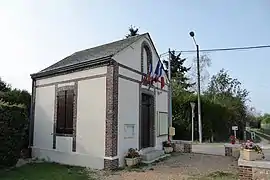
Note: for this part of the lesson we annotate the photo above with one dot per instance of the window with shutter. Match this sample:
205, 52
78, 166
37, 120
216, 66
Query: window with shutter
65, 107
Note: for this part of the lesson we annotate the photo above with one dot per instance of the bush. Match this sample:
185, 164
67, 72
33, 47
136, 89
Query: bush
16, 96
266, 120
13, 128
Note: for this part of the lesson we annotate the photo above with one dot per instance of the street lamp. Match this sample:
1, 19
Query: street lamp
192, 34
192, 104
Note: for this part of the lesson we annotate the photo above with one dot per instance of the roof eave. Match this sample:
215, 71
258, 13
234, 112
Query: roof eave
72, 67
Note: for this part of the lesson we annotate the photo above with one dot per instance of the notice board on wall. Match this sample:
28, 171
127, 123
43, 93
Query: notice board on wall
162, 123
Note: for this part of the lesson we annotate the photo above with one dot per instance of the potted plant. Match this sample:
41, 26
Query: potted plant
251, 151
167, 146
232, 138
132, 157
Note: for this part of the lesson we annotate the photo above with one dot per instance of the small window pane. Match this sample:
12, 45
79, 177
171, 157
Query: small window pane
60, 124
65, 106
69, 110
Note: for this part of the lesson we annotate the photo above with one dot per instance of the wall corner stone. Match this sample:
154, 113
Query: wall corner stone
111, 132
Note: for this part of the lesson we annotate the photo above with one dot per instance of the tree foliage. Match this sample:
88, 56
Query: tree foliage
4, 87
205, 63
14, 113
223, 85
223, 104
13, 133
15, 96
178, 70
133, 31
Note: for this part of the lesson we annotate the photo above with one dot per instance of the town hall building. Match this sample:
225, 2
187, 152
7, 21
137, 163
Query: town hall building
89, 108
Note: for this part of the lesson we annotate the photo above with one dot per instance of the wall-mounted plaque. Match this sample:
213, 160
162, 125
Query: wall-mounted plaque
129, 131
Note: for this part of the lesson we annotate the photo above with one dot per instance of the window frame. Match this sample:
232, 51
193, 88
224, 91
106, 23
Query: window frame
165, 131
67, 92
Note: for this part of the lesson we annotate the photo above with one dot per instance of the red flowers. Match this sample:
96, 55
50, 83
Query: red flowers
232, 138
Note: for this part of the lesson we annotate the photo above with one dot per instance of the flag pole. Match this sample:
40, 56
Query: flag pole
169, 95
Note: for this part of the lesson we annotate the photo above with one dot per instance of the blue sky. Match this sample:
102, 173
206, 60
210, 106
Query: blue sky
35, 34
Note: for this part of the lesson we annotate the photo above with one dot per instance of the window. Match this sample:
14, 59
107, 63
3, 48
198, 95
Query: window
163, 123
65, 108
146, 57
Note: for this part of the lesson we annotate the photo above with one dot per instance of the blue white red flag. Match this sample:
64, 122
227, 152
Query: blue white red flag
148, 79
158, 74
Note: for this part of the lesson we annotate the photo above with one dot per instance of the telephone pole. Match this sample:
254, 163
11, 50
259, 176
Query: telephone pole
169, 95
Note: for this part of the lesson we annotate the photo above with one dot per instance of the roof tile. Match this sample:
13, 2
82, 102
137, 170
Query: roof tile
94, 53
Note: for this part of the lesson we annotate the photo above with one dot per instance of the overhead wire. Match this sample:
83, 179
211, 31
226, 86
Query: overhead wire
222, 49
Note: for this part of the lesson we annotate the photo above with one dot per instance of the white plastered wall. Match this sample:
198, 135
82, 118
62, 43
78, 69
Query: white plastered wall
91, 115
128, 102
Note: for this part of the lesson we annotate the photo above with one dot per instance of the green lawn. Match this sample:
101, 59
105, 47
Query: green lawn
219, 175
45, 171
51, 171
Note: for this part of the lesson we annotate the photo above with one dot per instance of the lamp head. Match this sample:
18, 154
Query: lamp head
192, 34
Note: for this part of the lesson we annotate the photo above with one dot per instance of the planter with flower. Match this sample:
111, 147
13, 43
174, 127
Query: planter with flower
251, 151
167, 146
133, 157
233, 139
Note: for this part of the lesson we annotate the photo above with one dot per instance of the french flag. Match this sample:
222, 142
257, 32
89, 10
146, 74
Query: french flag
149, 78
150, 75
158, 74
157, 71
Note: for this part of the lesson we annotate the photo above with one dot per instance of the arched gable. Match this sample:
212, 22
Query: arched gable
149, 57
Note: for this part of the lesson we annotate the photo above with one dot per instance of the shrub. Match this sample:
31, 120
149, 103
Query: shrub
252, 146
132, 153
13, 127
266, 120
167, 144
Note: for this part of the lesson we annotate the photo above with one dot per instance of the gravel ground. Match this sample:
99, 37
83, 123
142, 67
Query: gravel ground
179, 166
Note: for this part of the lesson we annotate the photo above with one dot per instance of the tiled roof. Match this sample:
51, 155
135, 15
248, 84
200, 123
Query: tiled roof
94, 53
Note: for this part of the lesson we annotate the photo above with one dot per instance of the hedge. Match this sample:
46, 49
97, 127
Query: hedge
266, 120
13, 128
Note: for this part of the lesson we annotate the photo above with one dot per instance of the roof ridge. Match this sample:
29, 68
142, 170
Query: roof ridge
131, 37
96, 52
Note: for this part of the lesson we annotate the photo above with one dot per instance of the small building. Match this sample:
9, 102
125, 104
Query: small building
89, 108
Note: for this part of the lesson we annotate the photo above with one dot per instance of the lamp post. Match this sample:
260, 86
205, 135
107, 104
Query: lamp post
192, 104
192, 34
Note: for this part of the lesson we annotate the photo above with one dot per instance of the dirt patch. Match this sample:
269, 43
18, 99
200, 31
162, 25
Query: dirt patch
182, 166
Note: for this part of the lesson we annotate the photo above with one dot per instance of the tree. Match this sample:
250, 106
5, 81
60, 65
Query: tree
205, 62
222, 84
227, 92
253, 117
15, 96
181, 96
178, 71
4, 87
133, 31
15, 111
264, 119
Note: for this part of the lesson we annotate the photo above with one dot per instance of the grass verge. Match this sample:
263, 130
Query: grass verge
46, 171
218, 175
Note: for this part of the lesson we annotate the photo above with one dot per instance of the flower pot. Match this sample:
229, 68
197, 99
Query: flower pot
132, 161
168, 150
250, 155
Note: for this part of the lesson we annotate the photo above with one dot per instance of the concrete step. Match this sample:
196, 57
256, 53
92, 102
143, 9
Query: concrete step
151, 156
147, 150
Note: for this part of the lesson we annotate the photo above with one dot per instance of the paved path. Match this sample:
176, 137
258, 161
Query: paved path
218, 148
264, 142
265, 146
209, 148
181, 166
